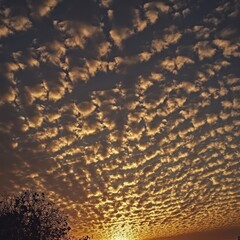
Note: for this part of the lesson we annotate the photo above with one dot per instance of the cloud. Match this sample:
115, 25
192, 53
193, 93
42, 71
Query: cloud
41, 8
85, 108
77, 32
227, 33
152, 10
8, 96
53, 52
175, 64
91, 126
228, 48
204, 50
18, 23
78, 74
104, 48
151, 15
105, 3
94, 66
27, 58
4, 31
171, 36
129, 121
12, 23
53, 117
35, 118
224, 7
119, 34
202, 32
37, 92
49, 133
138, 23
56, 92
122, 64
159, 6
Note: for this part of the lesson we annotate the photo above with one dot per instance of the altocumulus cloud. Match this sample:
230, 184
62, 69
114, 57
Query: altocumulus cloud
126, 112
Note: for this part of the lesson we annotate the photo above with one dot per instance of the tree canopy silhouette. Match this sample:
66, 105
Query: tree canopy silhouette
30, 216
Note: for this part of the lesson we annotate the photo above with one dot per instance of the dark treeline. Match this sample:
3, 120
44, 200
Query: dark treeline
31, 216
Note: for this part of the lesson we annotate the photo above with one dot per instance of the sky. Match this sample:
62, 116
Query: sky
126, 112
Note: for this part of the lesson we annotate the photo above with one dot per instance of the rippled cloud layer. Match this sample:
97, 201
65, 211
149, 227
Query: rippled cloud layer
127, 112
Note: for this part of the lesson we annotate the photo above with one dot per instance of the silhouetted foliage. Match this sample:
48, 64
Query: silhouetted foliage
85, 238
30, 216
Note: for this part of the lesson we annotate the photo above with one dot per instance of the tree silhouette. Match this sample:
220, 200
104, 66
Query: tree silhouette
84, 238
30, 216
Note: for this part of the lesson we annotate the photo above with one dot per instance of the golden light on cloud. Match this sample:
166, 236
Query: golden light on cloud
127, 114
